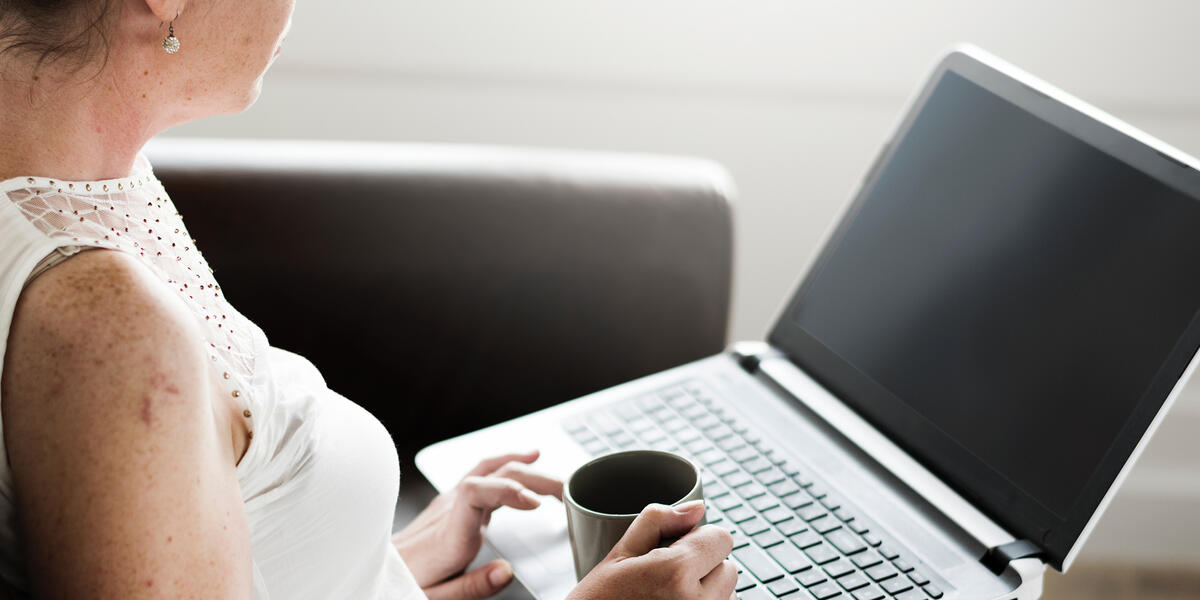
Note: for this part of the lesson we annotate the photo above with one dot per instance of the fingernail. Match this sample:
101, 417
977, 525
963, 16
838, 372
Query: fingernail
689, 507
530, 498
500, 575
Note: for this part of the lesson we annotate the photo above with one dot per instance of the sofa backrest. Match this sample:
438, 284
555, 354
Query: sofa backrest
446, 288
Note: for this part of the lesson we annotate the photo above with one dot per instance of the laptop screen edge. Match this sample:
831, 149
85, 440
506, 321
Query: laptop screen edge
975, 64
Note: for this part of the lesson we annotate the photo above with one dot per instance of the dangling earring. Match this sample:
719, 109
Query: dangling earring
171, 43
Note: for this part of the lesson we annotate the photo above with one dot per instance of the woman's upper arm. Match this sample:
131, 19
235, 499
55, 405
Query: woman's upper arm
125, 484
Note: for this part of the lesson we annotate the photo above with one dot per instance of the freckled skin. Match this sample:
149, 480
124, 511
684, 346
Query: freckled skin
146, 416
140, 441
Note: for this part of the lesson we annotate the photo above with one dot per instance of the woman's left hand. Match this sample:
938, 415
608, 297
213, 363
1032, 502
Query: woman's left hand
447, 535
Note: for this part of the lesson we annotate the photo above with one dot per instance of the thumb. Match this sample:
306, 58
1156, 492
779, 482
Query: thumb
656, 522
484, 582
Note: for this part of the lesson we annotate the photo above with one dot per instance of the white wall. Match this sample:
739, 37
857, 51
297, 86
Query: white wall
793, 96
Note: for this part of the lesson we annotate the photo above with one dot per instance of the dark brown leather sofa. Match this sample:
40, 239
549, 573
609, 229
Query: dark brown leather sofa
446, 288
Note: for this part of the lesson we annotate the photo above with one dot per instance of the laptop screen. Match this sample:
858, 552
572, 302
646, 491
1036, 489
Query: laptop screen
1006, 300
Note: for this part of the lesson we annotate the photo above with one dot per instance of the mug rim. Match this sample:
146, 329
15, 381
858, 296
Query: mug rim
574, 504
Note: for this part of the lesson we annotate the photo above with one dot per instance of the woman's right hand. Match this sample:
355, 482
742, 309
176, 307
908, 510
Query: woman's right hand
692, 568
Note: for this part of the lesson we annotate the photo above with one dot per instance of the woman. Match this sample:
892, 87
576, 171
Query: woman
155, 445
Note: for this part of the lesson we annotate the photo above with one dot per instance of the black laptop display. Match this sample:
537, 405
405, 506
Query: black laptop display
1012, 297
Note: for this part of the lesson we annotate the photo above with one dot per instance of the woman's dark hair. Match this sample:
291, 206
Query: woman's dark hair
72, 31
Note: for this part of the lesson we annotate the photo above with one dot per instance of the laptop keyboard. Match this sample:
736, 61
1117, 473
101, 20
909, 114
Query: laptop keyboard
793, 538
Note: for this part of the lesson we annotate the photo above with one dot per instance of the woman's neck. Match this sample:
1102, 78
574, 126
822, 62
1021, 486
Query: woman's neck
71, 131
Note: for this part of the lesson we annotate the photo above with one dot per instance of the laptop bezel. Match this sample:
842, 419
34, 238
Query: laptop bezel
1061, 538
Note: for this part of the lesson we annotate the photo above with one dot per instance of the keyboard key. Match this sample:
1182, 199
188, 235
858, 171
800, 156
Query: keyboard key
783, 488
768, 538
665, 445
843, 514
657, 438
640, 425
724, 468
627, 411
754, 526
706, 421
859, 526
867, 559
822, 554
729, 444
824, 525
913, 594
783, 586
727, 501
763, 568
698, 446
831, 503
839, 568
791, 526
869, 593
888, 553
797, 501
714, 489
736, 478
776, 514
764, 502
675, 425
895, 585
933, 591
846, 541
757, 464
826, 590
743, 454
792, 559
739, 540
624, 439
756, 593
686, 435
811, 512
739, 513
807, 539
751, 490
872, 539
918, 578
710, 457
853, 581
816, 491
902, 564
771, 476
811, 577
881, 572
694, 411
605, 424
595, 447
745, 581
721, 433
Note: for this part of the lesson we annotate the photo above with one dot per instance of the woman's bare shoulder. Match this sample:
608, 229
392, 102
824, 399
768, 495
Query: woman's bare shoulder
124, 483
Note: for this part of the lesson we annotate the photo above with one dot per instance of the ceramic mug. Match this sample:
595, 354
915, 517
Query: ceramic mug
604, 496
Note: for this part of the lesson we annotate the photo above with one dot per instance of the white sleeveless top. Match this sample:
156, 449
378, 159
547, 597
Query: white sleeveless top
320, 477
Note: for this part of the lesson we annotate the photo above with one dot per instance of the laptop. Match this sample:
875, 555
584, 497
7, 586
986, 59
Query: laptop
984, 344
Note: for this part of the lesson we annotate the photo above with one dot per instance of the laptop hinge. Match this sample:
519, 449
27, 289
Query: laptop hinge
748, 356
998, 557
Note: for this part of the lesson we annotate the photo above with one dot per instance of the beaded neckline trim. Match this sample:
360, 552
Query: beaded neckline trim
139, 176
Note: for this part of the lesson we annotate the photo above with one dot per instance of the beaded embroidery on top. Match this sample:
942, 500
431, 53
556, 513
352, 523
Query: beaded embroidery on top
135, 215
